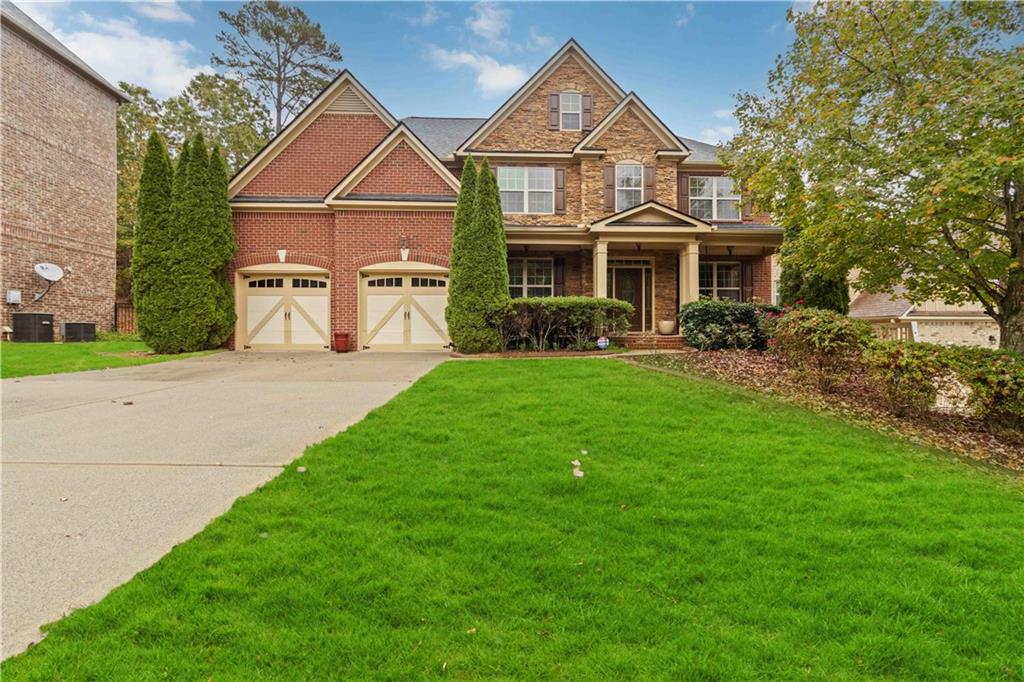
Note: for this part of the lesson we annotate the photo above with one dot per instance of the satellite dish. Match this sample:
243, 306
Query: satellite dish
49, 271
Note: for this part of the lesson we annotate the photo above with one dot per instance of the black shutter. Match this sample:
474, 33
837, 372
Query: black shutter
587, 119
559, 191
553, 107
648, 183
559, 276
746, 280
609, 188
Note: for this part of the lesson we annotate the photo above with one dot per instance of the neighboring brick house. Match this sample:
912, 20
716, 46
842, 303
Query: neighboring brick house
344, 220
59, 172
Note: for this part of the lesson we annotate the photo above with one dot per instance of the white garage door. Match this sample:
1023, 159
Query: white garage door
404, 312
286, 312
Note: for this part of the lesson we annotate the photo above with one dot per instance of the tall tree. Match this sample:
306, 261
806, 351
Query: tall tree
228, 116
279, 53
479, 267
137, 119
222, 248
902, 123
153, 234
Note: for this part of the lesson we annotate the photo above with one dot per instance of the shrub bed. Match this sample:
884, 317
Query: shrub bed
822, 344
559, 322
718, 325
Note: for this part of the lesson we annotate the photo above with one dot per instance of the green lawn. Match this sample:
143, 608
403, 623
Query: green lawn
28, 359
717, 534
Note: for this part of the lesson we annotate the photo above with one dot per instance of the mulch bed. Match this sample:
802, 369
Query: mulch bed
520, 355
854, 400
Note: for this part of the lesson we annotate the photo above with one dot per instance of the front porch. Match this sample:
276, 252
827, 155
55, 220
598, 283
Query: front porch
652, 256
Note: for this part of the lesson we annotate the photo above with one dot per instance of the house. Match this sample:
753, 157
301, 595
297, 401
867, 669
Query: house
59, 173
893, 315
344, 220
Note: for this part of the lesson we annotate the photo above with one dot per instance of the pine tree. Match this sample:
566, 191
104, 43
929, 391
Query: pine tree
152, 232
480, 270
222, 249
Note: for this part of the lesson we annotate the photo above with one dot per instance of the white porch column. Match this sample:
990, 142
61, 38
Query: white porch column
600, 269
689, 269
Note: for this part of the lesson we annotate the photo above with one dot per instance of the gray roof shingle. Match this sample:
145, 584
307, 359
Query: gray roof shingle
12, 14
442, 135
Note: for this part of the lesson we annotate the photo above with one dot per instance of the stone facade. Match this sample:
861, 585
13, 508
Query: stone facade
526, 128
59, 175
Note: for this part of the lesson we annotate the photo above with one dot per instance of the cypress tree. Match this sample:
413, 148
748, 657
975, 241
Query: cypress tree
222, 250
152, 233
461, 229
481, 273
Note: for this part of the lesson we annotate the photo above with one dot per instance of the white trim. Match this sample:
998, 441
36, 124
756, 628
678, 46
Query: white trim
714, 279
714, 198
403, 266
667, 137
395, 204
562, 111
525, 191
525, 286
640, 189
400, 134
301, 122
571, 47
611, 220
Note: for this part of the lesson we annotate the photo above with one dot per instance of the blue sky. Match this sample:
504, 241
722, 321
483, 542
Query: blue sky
685, 59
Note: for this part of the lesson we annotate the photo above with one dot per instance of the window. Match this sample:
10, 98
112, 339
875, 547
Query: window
428, 282
719, 280
714, 198
531, 277
308, 284
385, 282
272, 283
629, 186
527, 190
570, 106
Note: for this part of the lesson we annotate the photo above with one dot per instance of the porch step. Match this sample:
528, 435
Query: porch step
650, 342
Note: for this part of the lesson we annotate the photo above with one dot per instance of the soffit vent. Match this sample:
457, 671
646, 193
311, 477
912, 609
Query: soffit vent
349, 102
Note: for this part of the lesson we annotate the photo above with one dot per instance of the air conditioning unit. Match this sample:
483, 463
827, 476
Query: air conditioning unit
33, 327
77, 331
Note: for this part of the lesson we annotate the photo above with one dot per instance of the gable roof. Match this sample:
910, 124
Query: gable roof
400, 134
571, 48
887, 304
633, 102
663, 217
338, 97
11, 15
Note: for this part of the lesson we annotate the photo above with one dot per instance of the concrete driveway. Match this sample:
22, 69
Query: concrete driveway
103, 472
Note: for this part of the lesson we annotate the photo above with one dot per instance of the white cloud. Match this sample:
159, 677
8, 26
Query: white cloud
428, 17
684, 16
492, 77
724, 114
538, 41
490, 21
717, 134
163, 10
118, 50
43, 13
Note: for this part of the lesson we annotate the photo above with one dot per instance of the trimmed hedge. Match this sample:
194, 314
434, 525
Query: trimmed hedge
717, 325
559, 322
821, 343
996, 380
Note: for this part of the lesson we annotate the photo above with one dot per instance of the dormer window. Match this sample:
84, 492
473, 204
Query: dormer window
571, 110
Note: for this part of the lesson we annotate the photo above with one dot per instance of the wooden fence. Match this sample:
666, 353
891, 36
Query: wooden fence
124, 318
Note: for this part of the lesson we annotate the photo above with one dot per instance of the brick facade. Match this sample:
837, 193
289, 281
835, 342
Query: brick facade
59, 175
319, 157
403, 171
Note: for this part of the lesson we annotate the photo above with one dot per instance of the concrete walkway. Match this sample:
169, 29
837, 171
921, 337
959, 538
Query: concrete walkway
103, 472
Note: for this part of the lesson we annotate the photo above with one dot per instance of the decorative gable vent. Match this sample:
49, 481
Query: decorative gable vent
349, 102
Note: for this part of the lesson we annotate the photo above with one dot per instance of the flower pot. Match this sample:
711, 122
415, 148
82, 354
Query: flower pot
666, 327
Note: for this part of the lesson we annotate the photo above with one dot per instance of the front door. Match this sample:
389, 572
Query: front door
633, 285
